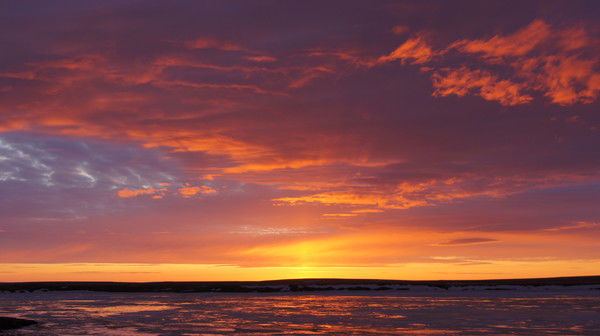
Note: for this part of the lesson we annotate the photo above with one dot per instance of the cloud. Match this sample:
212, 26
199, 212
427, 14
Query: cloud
190, 191
401, 193
62, 178
537, 59
413, 51
170, 190
209, 43
126, 193
519, 43
353, 198
463, 81
261, 59
575, 226
466, 241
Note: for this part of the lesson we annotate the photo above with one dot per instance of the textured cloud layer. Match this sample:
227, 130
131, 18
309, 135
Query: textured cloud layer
263, 134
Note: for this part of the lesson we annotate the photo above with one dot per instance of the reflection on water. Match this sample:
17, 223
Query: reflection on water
121, 309
119, 314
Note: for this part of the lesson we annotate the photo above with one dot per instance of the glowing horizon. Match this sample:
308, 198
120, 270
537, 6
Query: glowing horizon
253, 141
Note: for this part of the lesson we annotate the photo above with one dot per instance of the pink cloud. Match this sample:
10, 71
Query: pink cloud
209, 43
261, 58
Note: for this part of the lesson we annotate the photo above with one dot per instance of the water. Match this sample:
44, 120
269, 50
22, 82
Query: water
165, 314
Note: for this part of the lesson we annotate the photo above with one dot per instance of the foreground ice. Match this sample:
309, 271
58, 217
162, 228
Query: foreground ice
550, 311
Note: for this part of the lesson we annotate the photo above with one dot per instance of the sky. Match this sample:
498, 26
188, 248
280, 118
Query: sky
250, 140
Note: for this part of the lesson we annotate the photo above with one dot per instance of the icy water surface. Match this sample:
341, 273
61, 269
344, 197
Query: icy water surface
397, 313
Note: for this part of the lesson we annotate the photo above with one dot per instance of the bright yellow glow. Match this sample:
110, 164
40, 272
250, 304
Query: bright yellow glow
197, 272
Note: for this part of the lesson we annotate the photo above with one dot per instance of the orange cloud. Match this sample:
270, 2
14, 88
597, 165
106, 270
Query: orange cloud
558, 64
127, 193
340, 215
362, 211
191, 191
377, 198
463, 81
517, 44
415, 50
372, 199
187, 191
566, 79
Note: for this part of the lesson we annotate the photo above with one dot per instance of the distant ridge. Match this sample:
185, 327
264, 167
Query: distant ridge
294, 285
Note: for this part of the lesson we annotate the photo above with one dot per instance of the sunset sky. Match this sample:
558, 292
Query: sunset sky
247, 140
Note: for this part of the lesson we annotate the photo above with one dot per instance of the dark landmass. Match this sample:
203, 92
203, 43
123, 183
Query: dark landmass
294, 285
7, 323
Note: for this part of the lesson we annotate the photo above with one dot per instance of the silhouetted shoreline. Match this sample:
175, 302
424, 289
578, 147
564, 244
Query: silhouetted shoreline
295, 285
9, 323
